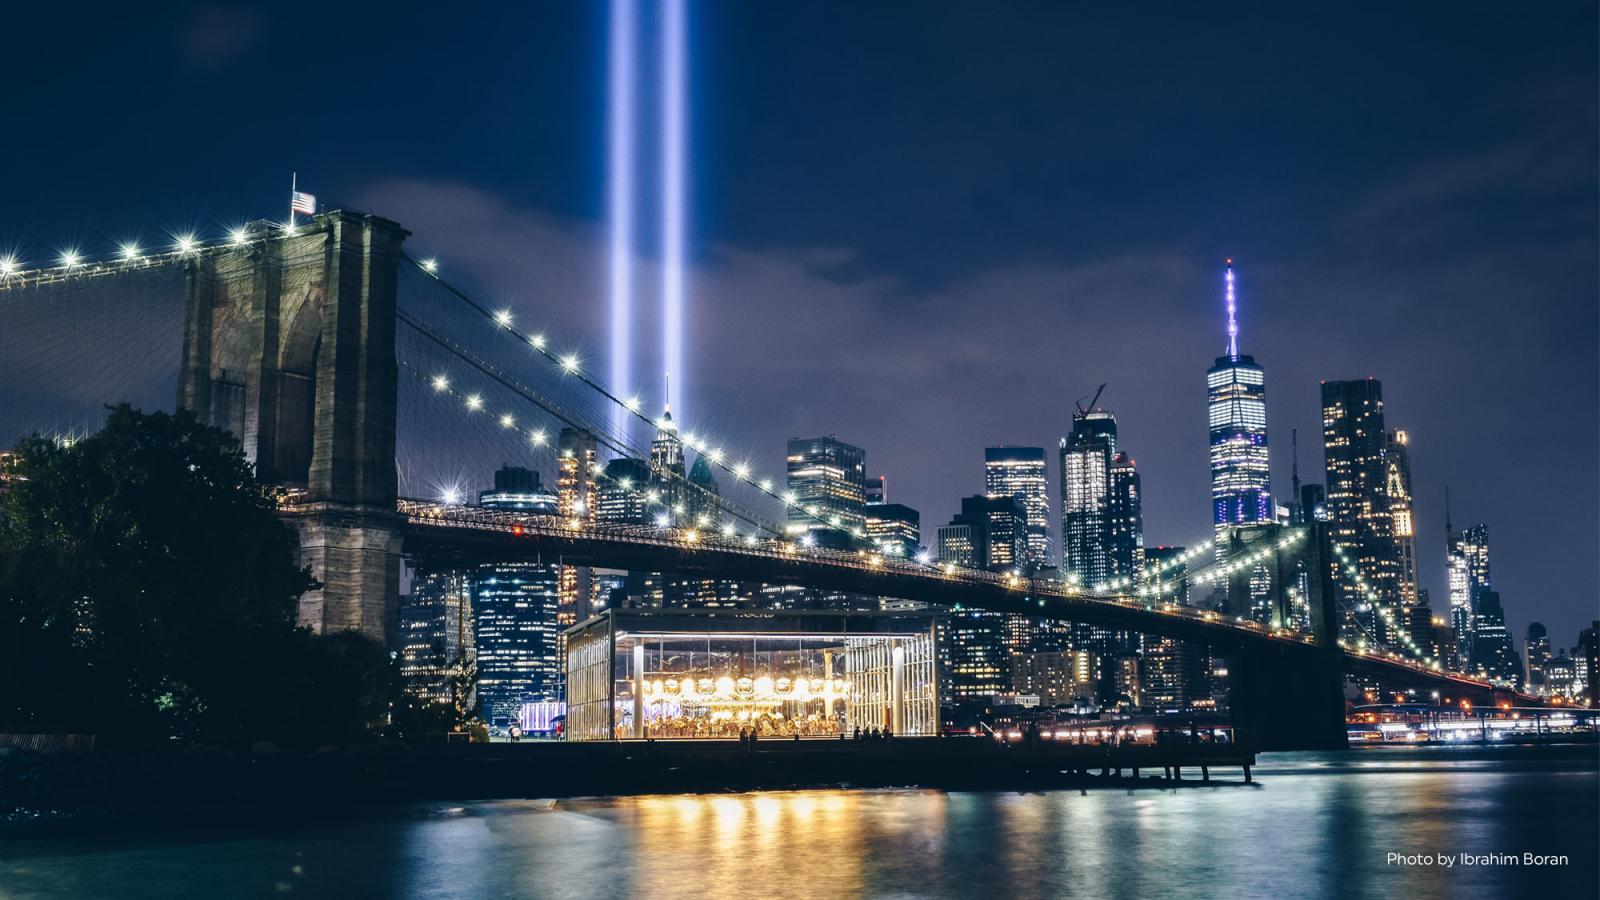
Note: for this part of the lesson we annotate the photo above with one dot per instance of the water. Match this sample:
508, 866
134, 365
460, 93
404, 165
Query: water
1314, 825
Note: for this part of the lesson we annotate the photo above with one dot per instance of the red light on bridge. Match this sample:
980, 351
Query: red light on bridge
516, 530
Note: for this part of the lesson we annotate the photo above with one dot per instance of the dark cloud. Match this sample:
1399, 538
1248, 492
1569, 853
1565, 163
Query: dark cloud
215, 36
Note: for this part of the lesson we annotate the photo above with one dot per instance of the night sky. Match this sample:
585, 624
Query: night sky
931, 227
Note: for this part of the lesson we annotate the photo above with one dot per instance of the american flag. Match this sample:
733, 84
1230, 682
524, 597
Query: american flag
303, 203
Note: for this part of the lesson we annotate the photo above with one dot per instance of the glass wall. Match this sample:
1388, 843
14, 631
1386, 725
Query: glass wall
721, 684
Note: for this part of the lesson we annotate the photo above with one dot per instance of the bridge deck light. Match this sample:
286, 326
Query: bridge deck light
8, 265
569, 362
186, 244
430, 265
538, 437
475, 402
440, 383
632, 403
238, 236
506, 421
503, 318
70, 259
130, 252
537, 341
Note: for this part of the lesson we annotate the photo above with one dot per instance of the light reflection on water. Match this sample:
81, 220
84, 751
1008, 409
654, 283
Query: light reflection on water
1313, 826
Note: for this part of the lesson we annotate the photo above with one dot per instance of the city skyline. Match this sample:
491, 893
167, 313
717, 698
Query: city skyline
1438, 257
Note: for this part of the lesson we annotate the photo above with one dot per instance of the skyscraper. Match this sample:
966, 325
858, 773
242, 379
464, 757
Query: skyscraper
1125, 518
1493, 652
577, 498
1086, 457
827, 478
1398, 487
1236, 395
1361, 522
894, 528
436, 642
621, 492
1538, 657
668, 481
515, 610
1020, 471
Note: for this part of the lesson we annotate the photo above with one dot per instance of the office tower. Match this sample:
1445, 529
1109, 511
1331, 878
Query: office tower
978, 664
1467, 566
1021, 471
621, 492
1125, 518
1172, 585
989, 533
1493, 652
1313, 504
1361, 521
1236, 398
1102, 538
1538, 657
668, 479
436, 641
827, 479
1173, 673
1587, 656
704, 502
1086, 457
894, 528
577, 502
1397, 457
1475, 547
516, 609
519, 489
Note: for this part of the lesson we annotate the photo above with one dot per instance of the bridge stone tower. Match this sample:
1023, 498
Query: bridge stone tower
289, 343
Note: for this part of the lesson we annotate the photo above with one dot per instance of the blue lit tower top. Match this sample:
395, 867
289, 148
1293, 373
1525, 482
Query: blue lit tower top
1241, 491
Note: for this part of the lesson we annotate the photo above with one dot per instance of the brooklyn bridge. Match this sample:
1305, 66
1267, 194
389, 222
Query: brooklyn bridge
355, 376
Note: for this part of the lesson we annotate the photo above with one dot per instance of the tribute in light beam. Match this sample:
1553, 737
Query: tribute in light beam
624, 25
673, 139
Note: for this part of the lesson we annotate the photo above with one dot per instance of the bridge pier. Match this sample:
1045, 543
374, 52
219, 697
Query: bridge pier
1292, 698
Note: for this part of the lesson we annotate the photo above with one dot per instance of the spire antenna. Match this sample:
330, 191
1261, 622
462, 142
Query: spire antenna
1233, 315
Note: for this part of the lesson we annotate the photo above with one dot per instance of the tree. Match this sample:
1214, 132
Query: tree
148, 592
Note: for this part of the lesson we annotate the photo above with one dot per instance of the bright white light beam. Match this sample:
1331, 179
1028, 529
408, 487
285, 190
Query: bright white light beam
624, 25
673, 176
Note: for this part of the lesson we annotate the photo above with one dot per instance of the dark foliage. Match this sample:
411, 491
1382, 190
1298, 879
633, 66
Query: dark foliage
148, 591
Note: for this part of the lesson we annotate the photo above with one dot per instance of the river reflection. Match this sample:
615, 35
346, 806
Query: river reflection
1313, 826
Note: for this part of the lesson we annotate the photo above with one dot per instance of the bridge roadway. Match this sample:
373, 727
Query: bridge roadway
444, 536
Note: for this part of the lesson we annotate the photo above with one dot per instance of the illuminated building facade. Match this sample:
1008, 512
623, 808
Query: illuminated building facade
676, 674
668, 481
1020, 472
1173, 673
620, 493
1236, 398
1494, 654
577, 498
1125, 517
515, 608
894, 528
1086, 457
1537, 649
1397, 458
436, 641
1360, 520
828, 480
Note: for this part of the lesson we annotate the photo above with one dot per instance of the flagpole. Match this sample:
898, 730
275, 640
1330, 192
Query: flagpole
294, 185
